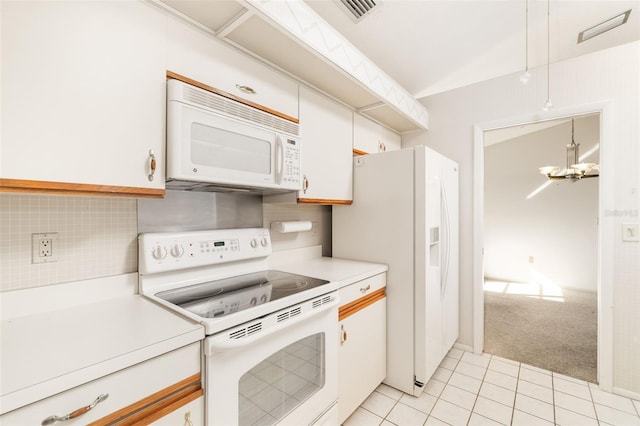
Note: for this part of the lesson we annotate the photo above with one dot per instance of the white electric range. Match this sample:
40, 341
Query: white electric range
271, 340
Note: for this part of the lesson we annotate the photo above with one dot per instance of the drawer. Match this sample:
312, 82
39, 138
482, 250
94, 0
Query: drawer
191, 414
362, 288
124, 388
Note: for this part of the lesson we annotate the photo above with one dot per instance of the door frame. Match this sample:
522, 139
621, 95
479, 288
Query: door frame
606, 229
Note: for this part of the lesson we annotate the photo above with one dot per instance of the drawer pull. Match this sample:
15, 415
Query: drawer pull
343, 334
246, 89
77, 413
187, 419
364, 289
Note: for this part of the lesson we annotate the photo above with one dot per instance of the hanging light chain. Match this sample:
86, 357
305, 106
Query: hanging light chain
548, 105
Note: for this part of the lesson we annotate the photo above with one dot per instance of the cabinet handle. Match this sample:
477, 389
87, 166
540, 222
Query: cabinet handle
77, 413
305, 184
381, 146
246, 89
343, 334
187, 419
152, 165
365, 289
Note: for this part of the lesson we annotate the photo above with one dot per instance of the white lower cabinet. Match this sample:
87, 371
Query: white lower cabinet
161, 390
191, 414
362, 359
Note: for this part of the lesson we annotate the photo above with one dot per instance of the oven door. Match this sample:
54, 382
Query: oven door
280, 369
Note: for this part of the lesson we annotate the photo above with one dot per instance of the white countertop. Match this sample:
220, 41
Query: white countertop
47, 352
57, 337
308, 262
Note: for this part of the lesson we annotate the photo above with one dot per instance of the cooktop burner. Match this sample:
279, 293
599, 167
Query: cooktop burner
215, 299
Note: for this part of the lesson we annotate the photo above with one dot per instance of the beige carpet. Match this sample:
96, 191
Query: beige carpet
557, 336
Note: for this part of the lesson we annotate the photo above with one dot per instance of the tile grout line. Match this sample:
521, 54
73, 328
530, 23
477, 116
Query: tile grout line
593, 402
479, 389
515, 394
445, 385
553, 399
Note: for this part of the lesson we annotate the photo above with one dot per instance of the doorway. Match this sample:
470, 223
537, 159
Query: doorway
606, 231
541, 247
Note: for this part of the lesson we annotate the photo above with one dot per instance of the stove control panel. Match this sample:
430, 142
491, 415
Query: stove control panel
160, 251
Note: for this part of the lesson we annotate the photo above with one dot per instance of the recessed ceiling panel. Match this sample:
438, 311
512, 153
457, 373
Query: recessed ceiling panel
392, 118
213, 14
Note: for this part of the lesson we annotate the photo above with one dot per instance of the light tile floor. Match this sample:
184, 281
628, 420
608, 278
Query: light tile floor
469, 389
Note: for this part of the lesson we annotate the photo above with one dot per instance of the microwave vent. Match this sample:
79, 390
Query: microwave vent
236, 109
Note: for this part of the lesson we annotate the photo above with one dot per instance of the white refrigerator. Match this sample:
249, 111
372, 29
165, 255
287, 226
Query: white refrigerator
405, 214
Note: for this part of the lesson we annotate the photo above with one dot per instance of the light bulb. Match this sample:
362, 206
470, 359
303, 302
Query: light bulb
548, 105
525, 77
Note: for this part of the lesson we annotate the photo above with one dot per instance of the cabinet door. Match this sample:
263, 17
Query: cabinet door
326, 140
83, 95
362, 356
370, 137
200, 57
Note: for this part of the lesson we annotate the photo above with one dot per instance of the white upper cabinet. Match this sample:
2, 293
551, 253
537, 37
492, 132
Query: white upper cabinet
370, 137
326, 140
198, 56
83, 96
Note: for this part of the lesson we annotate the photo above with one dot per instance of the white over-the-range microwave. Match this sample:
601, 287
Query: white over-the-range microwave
218, 144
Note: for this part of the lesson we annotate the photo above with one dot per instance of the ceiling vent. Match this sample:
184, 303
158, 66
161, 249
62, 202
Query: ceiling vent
359, 8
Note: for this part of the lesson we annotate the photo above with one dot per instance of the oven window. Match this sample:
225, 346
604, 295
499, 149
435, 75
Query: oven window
225, 149
283, 381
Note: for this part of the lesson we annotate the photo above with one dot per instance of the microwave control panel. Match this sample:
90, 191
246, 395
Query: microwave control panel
291, 166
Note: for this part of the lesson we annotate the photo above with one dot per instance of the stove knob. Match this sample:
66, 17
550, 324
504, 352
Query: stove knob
263, 242
177, 250
159, 252
253, 301
263, 298
254, 243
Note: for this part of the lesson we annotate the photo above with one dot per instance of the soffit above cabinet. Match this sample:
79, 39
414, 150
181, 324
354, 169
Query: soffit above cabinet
292, 37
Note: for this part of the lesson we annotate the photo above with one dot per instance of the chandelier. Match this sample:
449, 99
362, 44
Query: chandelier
575, 170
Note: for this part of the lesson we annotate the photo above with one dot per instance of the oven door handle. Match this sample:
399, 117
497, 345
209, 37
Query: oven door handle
222, 342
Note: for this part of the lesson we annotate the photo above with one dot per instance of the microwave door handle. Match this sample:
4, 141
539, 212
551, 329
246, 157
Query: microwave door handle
279, 160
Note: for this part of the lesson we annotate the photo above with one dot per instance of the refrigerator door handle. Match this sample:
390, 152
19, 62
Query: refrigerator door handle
447, 239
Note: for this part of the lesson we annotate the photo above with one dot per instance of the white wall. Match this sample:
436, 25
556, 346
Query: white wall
549, 238
609, 76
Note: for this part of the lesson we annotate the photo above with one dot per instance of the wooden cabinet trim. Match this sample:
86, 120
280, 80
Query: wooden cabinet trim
359, 152
359, 304
155, 406
48, 187
176, 76
323, 201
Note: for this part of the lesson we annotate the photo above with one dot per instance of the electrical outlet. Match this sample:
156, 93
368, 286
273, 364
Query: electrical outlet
44, 248
631, 232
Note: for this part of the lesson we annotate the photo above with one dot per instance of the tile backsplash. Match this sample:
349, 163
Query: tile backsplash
320, 233
97, 237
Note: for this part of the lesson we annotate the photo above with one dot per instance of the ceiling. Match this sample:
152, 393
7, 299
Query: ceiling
426, 46
431, 46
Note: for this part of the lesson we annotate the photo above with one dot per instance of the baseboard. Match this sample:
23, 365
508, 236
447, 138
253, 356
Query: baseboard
626, 393
462, 347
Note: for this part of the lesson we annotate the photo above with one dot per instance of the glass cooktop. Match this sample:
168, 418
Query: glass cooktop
215, 299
